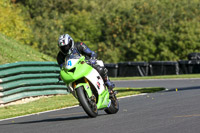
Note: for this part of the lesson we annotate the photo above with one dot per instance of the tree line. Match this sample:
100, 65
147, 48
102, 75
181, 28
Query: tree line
128, 30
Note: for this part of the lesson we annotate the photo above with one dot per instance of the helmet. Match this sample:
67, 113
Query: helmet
66, 44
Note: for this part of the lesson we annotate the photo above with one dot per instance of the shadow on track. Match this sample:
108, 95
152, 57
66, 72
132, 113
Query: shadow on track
50, 120
184, 88
53, 120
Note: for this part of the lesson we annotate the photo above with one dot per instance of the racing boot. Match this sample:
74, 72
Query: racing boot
107, 82
110, 85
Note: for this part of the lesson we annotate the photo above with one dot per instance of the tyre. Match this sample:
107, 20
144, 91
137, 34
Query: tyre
114, 107
89, 107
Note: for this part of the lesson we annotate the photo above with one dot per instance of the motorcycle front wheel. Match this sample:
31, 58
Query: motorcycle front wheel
89, 107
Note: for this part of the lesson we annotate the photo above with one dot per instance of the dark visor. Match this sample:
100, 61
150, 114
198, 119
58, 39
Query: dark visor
65, 49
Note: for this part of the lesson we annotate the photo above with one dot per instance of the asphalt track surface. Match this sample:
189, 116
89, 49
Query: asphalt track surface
176, 110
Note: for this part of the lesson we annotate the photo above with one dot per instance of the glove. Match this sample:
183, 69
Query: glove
92, 61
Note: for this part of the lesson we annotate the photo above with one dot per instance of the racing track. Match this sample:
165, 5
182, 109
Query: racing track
168, 111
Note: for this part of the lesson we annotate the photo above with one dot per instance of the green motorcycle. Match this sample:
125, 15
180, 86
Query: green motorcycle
86, 85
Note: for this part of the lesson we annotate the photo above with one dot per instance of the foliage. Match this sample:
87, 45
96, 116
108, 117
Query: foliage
12, 23
139, 30
154, 30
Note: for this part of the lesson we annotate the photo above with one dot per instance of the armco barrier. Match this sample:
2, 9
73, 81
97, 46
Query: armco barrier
112, 69
163, 68
25, 79
153, 68
127, 69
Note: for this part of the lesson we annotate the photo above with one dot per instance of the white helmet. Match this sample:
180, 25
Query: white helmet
66, 44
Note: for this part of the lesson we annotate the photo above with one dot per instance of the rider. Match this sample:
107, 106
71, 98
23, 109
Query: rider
67, 46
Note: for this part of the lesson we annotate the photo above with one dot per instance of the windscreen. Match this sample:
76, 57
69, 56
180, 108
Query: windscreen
71, 60
74, 56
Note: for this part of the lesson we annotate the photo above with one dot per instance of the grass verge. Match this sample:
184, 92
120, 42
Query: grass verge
12, 51
134, 91
60, 101
182, 76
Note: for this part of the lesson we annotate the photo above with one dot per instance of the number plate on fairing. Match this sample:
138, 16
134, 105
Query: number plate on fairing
70, 63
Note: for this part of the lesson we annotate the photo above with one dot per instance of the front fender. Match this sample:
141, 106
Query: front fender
86, 87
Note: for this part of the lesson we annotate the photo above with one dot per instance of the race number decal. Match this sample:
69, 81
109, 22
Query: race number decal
69, 63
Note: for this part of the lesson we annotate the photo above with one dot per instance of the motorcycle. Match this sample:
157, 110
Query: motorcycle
87, 86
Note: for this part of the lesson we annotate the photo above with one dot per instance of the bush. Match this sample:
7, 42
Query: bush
13, 23
139, 30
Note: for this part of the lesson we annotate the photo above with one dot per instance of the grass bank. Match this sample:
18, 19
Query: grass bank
182, 76
60, 101
12, 51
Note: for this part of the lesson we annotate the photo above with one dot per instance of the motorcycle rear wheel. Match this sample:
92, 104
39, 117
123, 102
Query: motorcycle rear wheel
114, 107
89, 108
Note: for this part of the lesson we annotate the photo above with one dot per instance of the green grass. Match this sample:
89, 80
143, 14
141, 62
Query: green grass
159, 77
60, 101
12, 51
134, 91
43, 104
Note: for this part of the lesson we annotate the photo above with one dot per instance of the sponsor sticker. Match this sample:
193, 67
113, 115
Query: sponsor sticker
109, 104
87, 87
98, 85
